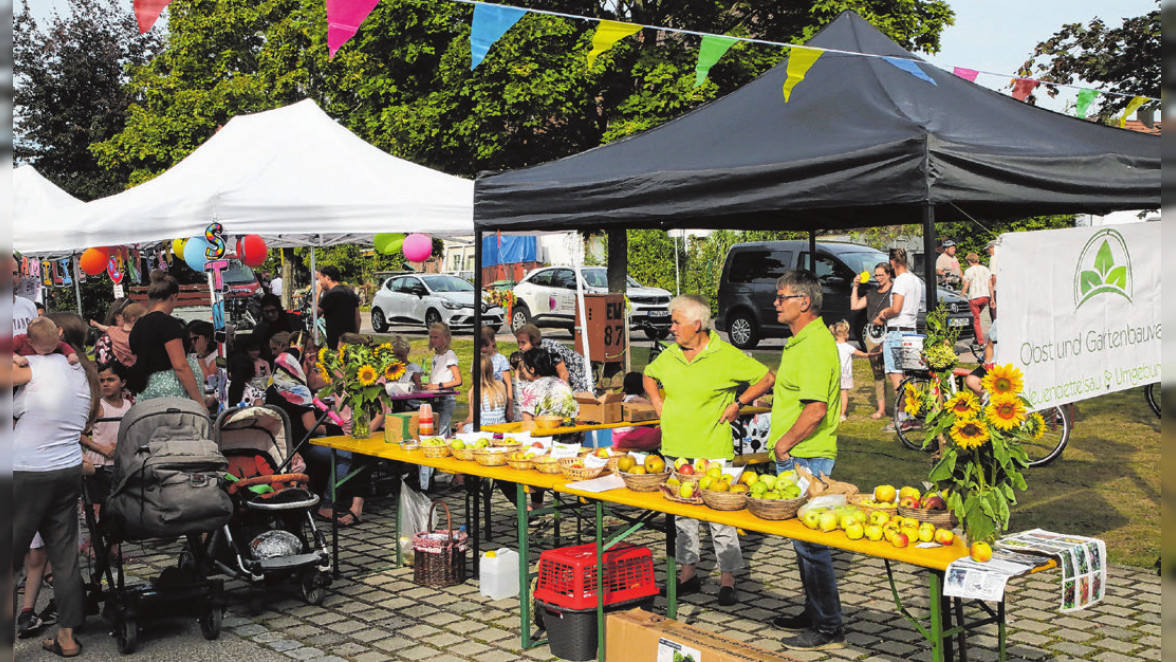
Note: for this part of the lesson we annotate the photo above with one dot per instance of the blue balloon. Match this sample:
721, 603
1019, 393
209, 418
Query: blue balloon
194, 253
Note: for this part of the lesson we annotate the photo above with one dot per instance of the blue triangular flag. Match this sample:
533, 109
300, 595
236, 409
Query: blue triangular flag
490, 23
910, 67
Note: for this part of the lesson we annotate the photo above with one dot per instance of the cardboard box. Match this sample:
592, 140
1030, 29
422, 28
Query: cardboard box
398, 427
602, 409
638, 636
635, 412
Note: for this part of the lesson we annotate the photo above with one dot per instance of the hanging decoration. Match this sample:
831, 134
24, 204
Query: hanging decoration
147, 12
967, 74
609, 33
343, 20
214, 236
489, 24
800, 60
251, 250
388, 243
1132, 106
114, 267
911, 67
93, 261
1023, 87
1085, 98
417, 247
712, 49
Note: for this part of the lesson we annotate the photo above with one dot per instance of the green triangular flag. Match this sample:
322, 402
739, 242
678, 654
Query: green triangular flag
1085, 97
713, 48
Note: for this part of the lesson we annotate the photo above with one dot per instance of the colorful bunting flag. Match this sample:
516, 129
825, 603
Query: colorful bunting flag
607, 34
1132, 106
1085, 97
966, 74
713, 48
147, 11
343, 20
490, 23
1023, 87
911, 68
800, 60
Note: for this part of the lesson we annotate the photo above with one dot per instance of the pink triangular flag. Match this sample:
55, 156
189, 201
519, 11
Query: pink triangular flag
147, 12
967, 74
343, 20
1023, 87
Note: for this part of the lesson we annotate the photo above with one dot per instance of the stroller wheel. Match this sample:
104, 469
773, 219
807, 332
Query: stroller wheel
126, 635
210, 622
314, 587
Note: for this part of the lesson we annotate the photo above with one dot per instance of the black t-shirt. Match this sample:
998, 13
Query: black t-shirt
339, 304
149, 338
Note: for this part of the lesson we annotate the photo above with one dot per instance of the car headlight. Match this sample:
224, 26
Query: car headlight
453, 305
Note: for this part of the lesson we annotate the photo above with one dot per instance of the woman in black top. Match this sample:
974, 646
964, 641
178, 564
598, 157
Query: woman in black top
874, 302
159, 340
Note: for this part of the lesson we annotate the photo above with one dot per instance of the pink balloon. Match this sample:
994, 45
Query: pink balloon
417, 247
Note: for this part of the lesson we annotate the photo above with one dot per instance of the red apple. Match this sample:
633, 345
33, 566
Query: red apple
908, 502
944, 536
537, 444
900, 540
933, 502
686, 470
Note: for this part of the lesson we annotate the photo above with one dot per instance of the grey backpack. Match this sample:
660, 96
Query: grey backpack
168, 474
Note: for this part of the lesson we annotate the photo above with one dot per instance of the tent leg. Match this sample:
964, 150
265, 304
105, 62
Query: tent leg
77, 284
476, 400
314, 295
929, 256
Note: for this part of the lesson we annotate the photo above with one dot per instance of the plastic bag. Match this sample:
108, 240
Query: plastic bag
414, 512
824, 501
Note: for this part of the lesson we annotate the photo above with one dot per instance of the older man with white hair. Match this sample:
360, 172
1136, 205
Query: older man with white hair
701, 376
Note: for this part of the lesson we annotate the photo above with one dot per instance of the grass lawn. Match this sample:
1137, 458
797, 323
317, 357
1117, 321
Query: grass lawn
1106, 484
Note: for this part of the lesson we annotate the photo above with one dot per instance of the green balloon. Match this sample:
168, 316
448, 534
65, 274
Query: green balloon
388, 242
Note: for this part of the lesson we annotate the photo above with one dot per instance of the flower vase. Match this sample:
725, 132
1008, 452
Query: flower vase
361, 424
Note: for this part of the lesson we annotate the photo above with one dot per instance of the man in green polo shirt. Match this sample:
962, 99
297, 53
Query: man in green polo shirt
701, 375
806, 409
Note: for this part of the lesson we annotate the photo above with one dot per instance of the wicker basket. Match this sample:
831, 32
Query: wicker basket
489, 458
466, 453
643, 482
439, 560
544, 424
578, 473
503, 445
857, 499
943, 519
775, 509
669, 494
547, 465
724, 500
521, 465
692, 478
437, 452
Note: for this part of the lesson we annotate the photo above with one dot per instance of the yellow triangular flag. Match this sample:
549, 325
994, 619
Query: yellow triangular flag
609, 33
1132, 106
799, 62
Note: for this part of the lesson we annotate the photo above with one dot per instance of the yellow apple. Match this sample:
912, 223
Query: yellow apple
909, 491
855, 531
944, 537
879, 517
885, 493
981, 552
686, 491
927, 532
873, 532
828, 522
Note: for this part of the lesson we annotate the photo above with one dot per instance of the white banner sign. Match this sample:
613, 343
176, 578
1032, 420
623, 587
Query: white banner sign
1079, 310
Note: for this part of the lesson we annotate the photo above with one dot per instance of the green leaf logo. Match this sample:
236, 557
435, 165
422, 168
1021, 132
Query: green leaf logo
1104, 267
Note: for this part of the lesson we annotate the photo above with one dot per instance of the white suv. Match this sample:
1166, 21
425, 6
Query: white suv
423, 299
547, 297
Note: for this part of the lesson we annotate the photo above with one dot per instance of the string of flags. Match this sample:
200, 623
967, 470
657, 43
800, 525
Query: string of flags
491, 21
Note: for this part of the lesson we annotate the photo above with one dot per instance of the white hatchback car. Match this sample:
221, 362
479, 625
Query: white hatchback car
547, 297
424, 299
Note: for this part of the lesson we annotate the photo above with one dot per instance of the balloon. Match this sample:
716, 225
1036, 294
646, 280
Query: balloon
194, 253
94, 261
417, 247
251, 250
178, 245
388, 243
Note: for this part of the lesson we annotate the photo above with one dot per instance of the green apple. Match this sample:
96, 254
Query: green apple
758, 488
811, 519
768, 480
828, 522
873, 532
855, 531
791, 492
458, 445
705, 482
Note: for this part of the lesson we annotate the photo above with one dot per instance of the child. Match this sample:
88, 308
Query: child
98, 446
494, 398
443, 375
279, 342
412, 371
200, 335
502, 369
115, 343
42, 337
636, 437
840, 331
248, 373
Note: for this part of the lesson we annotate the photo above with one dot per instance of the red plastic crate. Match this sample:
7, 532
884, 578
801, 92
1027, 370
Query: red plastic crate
567, 576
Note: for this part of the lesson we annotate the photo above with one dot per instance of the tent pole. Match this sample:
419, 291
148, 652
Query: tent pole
77, 284
929, 256
812, 261
476, 400
314, 295
677, 274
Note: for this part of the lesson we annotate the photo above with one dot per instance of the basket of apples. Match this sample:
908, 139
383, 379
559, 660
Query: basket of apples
462, 449
903, 531
718, 492
930, 507
689, 472
884, 498
435, 447
524, 458
680, 492
644, 477
774, 497
574, 468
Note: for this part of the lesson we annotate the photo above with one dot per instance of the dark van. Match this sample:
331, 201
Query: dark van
747, 289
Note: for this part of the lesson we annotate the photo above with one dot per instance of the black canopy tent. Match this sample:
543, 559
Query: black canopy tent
860, 143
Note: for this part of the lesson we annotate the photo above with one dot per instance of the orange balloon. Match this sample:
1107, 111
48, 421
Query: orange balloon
93, 261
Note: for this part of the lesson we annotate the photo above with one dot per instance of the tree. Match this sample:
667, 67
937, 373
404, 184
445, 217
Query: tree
1124, 60
69, 91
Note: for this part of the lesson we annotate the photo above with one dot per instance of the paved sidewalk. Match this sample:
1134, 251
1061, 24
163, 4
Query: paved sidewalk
375, 612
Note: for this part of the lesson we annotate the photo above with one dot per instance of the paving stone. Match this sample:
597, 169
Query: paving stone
417, 653
329, 658
250, 630
1077, 650
284, 645
304, 653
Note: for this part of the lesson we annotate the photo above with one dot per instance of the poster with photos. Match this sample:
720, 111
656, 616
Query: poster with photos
1082, 561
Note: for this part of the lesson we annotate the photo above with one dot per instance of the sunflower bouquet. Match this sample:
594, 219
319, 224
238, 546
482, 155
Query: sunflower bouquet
353, 373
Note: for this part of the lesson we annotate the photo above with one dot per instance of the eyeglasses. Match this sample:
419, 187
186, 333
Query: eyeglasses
781, 298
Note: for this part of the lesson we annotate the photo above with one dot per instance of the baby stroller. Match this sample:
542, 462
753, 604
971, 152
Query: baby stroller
272, 535
166, 483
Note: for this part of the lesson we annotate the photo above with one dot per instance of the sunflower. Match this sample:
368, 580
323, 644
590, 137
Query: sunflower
1005, 412
913, 400
1034, 426
322, 355
323, 372
1003, 379
963, 404
969, 433
366, 375
394, 371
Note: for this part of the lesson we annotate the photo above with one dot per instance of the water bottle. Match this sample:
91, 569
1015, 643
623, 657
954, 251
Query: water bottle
425, 423
499, 572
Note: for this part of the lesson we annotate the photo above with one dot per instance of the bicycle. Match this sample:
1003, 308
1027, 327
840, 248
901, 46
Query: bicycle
1151, 393
1040, 452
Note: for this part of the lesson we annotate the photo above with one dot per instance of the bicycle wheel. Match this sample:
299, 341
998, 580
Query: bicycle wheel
1051, 444
1152, 393
909, 429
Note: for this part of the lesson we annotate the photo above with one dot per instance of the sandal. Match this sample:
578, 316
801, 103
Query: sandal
354, 516
54, 646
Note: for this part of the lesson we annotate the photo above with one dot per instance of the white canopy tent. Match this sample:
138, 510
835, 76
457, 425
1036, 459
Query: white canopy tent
33, 197
292, 175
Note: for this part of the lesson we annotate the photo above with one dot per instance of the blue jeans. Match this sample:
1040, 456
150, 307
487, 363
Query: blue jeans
822, 603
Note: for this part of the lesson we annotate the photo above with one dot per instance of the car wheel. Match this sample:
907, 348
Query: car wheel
379, 322
743, 331
432, 317
519, 318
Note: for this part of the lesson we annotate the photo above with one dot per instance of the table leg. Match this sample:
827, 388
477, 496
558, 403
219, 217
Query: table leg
599, 580
1001, 632
962, 637
335, 517
473, 504
487, 492
671, 567
935, 604
521, 498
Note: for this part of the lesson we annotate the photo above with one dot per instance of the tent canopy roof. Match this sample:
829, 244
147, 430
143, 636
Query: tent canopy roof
860, 143
33, 197
292, 175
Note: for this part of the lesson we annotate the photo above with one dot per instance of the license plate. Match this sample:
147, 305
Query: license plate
659, 313
958, 321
